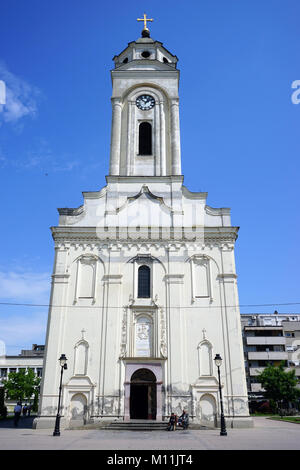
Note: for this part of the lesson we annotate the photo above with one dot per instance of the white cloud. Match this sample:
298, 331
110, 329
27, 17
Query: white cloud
42, 157
21, 331
25, 286
22, 326
21, 98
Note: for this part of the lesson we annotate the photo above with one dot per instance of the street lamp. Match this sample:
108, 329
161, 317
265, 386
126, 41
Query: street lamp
218, 362
63, 365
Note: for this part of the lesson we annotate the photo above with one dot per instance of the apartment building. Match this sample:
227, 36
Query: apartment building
27, 359
269, 339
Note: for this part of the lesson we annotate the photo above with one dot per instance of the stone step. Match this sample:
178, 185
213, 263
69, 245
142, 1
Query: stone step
145, 425
134, 425
137, 425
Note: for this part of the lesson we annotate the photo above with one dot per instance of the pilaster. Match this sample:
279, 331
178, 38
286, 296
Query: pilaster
115, 137
175, 138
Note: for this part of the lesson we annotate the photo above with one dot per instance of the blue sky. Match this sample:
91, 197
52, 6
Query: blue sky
239, 132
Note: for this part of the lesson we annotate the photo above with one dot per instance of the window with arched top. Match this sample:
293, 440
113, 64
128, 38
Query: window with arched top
144, 282
145, 138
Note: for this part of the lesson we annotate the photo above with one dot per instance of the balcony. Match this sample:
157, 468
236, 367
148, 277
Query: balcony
256, 388
296, 369
263, 328
253, 371
274, 340
268, 356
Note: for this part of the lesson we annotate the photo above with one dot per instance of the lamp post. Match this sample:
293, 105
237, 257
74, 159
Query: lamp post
63, 365
218, 362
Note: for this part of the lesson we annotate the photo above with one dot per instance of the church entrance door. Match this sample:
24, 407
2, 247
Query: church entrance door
143, 395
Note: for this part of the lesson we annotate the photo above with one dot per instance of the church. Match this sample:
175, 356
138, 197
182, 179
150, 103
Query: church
144, 287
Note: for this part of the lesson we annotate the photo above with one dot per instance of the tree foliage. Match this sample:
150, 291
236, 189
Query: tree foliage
22, 386
279, 385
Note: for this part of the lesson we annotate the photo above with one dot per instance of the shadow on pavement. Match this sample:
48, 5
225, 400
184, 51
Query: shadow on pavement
24, 422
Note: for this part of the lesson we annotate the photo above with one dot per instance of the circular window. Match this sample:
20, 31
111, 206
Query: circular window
165, 60
145, 54
125, 60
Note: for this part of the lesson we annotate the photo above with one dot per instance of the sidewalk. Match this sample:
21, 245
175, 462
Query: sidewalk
266, 435
24, 422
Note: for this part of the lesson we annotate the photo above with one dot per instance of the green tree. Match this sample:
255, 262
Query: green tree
279, 385
22, 386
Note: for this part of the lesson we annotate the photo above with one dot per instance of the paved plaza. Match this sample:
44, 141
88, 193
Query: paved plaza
266, 435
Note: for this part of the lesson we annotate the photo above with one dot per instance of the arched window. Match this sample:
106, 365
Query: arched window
145, 138
144, 282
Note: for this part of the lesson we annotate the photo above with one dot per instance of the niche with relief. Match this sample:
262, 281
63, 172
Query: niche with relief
143, 336
144, 332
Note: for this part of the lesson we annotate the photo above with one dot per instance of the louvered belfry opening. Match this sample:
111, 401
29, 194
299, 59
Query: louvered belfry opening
144, 282
145, 138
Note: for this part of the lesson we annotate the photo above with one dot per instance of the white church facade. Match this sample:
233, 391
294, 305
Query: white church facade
144, 287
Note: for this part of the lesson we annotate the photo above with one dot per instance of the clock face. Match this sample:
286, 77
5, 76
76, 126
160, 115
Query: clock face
145, 102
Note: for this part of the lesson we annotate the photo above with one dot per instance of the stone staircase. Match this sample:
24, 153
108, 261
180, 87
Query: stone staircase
133, 425
137, 425
145, 425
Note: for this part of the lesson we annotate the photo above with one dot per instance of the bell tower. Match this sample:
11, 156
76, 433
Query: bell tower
145, 134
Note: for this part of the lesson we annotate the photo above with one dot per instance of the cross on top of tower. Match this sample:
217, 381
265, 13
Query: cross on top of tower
145, 32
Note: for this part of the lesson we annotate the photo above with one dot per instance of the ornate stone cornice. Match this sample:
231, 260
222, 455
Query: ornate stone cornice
132, 235
70, 211
217, 211
144, 179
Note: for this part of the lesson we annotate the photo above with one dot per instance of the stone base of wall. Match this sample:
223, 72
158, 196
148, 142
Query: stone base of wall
245, 422
48, 422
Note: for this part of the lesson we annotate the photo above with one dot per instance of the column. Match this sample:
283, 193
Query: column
175, 138
109, 374
235, 395
126, 401
162, 140
129, 140
55, 339
158, 401
115, 137
177, 361
157, 151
